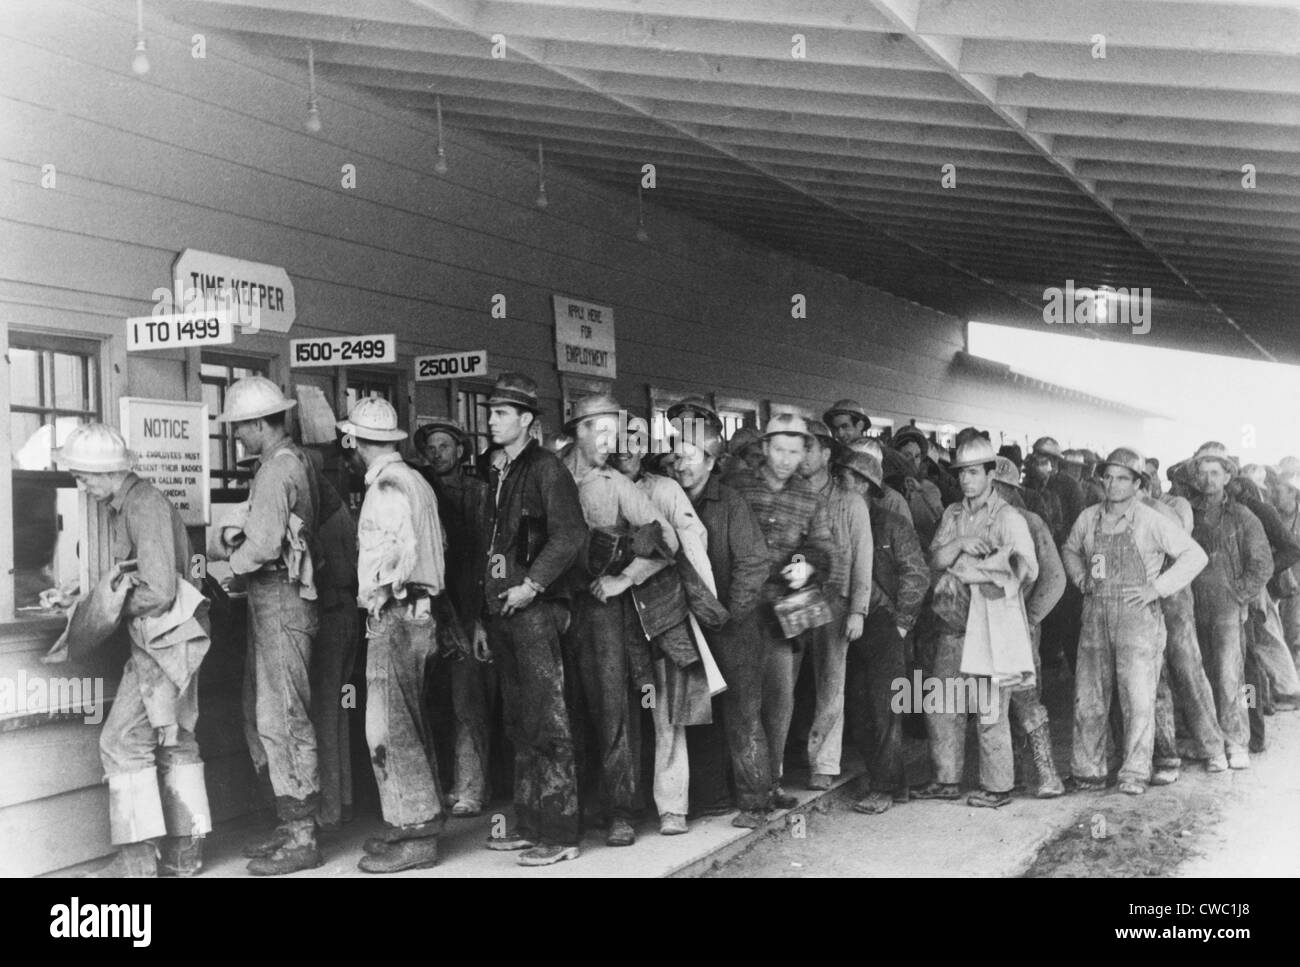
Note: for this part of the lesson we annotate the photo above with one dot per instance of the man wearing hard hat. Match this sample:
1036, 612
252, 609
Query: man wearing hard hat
273, 548
400, 571
1115, 555
848, 421
150, 755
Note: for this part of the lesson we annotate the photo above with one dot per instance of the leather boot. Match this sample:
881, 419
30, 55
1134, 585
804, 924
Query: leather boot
299, 853
1049, 784
406, 854
181, 856
133, 861
269, 843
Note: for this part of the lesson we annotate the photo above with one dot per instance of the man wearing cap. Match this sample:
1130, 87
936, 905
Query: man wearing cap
981, 524
613, 656
157, 798
1046, 463
877, 659
796, 524
533, 538
849, 588
890, 498
1114, 555
464, 505
1240, 566
400, 570
1028, 714
282, 617
848, 421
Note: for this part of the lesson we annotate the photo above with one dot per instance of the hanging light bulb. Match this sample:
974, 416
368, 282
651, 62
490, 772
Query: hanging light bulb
641, 234
541, 179
140, 62
312, 123
440, 165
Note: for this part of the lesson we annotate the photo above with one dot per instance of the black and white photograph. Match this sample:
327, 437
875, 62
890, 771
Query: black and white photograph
657, 439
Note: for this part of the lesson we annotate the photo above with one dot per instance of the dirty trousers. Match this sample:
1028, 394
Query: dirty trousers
615, 675
779, 672
672, 777
282, 627
739, 649
399, 650
1183, 685
875, 662
332, 660
1119, 651
959, 696
526, 647
473, 695
830, 650
1289, 610
1027, 709
1221, 632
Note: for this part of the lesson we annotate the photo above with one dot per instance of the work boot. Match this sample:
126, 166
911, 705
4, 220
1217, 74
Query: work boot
181, 856
621, 833
268, 844
406, 854
133, 861
1049, 784
299, 853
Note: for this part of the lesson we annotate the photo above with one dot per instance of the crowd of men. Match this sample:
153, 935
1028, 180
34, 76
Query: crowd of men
637, 612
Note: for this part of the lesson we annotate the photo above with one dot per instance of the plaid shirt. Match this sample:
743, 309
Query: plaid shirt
794, 519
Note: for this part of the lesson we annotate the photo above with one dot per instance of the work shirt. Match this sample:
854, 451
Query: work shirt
147, 529
1156, 537
1244, 563
281, 486
1050, 585
794, 519
671, 501
535, 484
736, 547
900, 576
464, 507
851, 564
995, 521
1069, 496
1180, 506
399, 537
610, 500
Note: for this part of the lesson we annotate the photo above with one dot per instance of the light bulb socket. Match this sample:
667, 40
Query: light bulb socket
312, 123
440, 166
542, 200
140, 62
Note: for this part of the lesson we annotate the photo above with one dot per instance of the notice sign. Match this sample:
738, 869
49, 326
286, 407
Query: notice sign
584, 338
261, 296
452, 365
179, 330
170, 442
343, 350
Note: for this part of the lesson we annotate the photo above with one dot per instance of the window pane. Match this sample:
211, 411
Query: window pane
25, 370
212, 400
31, 441
69, 382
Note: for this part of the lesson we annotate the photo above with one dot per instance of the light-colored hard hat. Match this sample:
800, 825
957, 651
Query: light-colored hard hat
850, 408
1289, 464
864, 465
1213, 450
974, 453
1290, 478
94, 448
869, 445
791, 423
373, 418
251, 398
1007, 473
1126, 458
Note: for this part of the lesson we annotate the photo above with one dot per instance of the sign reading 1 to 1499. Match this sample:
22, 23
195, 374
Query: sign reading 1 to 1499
179, 329
343, 350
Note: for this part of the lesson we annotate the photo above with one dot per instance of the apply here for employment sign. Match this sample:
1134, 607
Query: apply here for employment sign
584, 338
170, 442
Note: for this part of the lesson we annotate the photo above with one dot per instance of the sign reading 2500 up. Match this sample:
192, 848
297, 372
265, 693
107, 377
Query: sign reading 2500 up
170, 441
584, 337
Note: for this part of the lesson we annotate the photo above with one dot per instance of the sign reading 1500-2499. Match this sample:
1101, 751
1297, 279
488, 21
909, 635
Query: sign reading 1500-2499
343, 350
179, 329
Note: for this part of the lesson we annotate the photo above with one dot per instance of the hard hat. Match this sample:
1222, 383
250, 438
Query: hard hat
1214, 450
443, 424
94, 448
911, 434
1007, 473
694, 406
1128, 459
791, 423
871, 446
849, 407
1046, 446
864, 465
821, 431
372, 418
1289, 464
1290, 478
602, 404
1075, 457
253, 397
974, 453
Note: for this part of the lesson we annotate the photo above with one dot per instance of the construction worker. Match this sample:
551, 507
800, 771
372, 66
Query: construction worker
923, 496
900, 579
157, 800
400, 571
982, 523
1047, 467
464, 506
796, 524
1286, 497
1114, 555
1240, 567
848, 585
612, 653
533, 539
1028, 714
848, 421
273, 547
